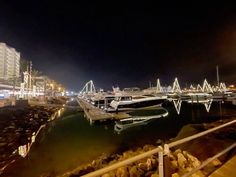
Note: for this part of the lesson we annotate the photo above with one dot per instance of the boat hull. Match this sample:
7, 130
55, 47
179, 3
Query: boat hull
132, 105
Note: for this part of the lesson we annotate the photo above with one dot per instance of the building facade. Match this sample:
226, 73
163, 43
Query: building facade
9, 62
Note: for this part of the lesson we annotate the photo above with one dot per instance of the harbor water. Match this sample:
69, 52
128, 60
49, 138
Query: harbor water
70, 141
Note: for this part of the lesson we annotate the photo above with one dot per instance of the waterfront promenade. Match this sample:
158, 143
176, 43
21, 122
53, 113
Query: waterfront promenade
226, 170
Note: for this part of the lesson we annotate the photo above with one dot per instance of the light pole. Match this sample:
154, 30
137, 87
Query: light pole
52, 88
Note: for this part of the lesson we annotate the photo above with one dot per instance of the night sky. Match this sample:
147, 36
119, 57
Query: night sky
125, 44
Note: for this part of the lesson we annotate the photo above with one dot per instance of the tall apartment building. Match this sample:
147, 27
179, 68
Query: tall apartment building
9, 62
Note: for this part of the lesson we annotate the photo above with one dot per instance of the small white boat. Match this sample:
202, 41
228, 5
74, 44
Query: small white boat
141, 119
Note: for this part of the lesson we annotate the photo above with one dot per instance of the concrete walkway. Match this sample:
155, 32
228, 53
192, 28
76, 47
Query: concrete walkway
227, 170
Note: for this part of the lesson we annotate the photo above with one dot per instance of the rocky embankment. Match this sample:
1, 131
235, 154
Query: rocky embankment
16, 128
179, 161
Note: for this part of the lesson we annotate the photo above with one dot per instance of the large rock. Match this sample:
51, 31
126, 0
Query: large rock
174, 164
112, 174
106, 175
176, 153
216, 162
3, 144
171, 157
127, 154
84, 171
122, 172
155, 175
182, 161
151, 163
192, 161
148, 147
143, 166
175, 175
133, 172
198, 174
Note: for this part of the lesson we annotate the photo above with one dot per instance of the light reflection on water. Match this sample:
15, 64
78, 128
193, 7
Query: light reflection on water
70, 141
206, 102
23, 150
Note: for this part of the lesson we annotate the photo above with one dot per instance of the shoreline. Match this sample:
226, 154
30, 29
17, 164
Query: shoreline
20, 126
181, 159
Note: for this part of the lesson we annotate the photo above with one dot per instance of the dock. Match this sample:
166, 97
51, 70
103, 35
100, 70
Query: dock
93, 113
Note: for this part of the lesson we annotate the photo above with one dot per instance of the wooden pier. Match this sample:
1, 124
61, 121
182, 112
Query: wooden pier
95, 114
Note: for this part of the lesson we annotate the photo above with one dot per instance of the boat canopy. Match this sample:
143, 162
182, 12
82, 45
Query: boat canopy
123, 98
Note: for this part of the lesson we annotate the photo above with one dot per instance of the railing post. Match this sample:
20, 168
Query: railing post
166, 149
161, 165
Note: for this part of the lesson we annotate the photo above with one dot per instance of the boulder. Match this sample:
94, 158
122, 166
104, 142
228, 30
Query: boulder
149, 164
176, 152
106, 175
192, 161
175, 175
159, 142
133, 172
140, 171
188, 169
216, 162
122, 172
182, 161
154, 175
127, 154
168, 167
148, 147
149, 173
11, 127
174, 164
143, 166
154, 162
36, 116
171, 156
85, 171
139, 150
198, 174
112, 174
3, 144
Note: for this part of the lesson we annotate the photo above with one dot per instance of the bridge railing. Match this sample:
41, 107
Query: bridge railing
163, 151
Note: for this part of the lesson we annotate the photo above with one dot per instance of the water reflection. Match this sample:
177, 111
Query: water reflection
177, 105
208, 105
70, 141
140, 117
131, 122
56, 114
206, 102
23, 150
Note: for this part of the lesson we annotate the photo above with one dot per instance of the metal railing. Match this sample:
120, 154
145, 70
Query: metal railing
163, 151
209, 160
184, 140
124, 162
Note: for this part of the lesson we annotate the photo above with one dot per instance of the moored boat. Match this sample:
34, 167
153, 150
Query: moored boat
127, 103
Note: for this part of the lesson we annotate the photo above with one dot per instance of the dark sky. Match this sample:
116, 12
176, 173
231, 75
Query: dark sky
125, 44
